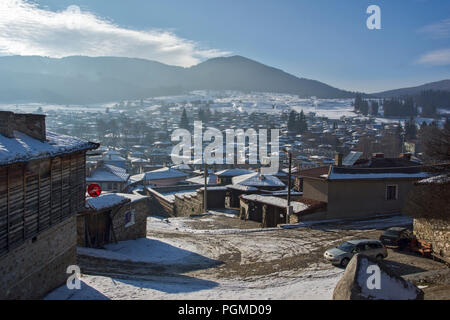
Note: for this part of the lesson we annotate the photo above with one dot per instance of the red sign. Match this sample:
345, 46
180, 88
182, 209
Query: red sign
94, 190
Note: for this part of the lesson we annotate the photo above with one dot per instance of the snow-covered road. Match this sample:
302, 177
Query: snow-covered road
197, 263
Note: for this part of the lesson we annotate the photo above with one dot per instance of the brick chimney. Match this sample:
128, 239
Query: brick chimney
338, 157
32, 125
378, 155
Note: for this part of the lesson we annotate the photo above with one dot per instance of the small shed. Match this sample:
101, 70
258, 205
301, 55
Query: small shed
112, 217
272, 211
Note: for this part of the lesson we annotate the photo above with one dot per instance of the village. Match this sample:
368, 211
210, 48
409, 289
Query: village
159, 230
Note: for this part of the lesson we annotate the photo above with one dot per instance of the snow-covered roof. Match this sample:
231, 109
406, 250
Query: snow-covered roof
106, 201
241, 187
163, 173
383, 175
108, 173
182, 166
277, 202
212, 180
233, 172
109, 200
257, 179
23, 148
113, 157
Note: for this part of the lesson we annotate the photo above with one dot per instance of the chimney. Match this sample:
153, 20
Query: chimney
32, 125
338, 159
378, 155
406, 156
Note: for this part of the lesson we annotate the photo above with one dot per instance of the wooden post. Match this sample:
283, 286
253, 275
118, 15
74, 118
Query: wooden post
7, 209
24, 197
289, 179
205, 196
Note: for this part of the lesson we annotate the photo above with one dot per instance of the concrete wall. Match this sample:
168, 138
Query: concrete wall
315, 189
436, 232
355, 199
37, 267
363, 198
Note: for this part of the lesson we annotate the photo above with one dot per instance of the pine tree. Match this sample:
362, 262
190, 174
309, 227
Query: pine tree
292, 121
302, 124
184, 122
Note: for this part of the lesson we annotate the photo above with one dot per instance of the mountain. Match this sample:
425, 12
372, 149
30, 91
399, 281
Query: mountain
443, 85
80, 80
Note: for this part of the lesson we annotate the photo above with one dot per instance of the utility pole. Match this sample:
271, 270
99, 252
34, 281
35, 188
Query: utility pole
205, 195
289, 179
289, 209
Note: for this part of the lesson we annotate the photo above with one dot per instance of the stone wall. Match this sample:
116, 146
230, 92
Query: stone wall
30, 124
139, 228
185, 206
436, 232
39, 265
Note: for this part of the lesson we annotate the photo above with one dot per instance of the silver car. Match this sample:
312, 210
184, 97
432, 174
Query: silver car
343, 253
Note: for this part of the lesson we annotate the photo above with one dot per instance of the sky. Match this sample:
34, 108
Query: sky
325, 40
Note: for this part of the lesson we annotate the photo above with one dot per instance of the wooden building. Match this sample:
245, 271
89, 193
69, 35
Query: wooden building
42, 187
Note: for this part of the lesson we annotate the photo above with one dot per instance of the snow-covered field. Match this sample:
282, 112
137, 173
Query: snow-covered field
226, 101
220, 263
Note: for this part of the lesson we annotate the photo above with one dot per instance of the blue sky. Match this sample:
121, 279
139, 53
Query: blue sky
326, 40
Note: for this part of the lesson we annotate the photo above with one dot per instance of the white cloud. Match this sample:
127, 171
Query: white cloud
438, 30
437, 57
26, 29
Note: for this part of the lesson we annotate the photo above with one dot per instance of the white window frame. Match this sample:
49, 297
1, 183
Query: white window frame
396, 191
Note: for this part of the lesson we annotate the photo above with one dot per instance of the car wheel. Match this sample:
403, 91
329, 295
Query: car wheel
344, 262
380, 257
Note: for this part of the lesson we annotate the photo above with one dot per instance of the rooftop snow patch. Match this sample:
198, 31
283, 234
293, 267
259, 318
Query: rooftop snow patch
108, 173
277, 202
257, 179
211, 180
341, 173
163, 173
23, 148
106, 201
233, 172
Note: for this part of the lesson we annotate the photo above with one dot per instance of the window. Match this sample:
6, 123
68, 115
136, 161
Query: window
129, 218
391, 192
374, 245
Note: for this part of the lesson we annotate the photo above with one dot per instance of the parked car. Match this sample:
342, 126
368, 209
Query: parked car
342, 254
397, 237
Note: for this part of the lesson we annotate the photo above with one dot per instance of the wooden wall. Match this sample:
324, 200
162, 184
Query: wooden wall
37, 195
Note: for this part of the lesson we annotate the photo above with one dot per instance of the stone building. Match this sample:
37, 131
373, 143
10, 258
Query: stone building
112, 217
184, 200
42, 187
429, 205
271, 211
